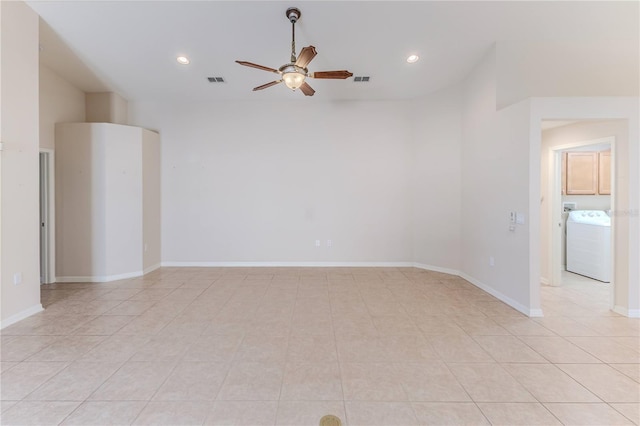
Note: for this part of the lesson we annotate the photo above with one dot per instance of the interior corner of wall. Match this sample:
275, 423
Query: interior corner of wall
21, 315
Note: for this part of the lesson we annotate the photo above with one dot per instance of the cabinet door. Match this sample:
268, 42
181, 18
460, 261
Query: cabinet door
582, 173
563, 182
604, 172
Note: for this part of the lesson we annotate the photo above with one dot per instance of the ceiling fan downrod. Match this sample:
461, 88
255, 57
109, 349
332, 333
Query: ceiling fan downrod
293, 14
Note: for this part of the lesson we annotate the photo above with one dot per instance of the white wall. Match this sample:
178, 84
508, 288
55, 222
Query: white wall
19, 229
566, 68
501, 152
106, 107
74, 205
151, 205
60, 102
435, 181
495, 181
589, 202
260, 182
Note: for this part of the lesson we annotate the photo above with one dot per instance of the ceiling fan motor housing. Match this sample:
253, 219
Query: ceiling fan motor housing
293, 14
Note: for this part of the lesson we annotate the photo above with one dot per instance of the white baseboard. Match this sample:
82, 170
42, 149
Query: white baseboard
544, 281
290, 264
21, 315
99, 278
631, 313
509, 301
436, 269
536, 313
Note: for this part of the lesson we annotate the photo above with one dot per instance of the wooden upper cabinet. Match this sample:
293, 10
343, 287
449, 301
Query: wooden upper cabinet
582, 173
563, 182
604, 172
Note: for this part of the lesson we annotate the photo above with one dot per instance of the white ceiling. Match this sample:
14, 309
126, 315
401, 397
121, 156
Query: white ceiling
130, 46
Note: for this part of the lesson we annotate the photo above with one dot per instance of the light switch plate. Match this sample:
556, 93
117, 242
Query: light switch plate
520, 218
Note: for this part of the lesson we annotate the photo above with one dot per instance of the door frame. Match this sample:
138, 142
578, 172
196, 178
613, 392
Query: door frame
555, 213
48, 208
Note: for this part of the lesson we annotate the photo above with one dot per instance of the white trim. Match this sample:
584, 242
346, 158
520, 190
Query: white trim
291, 264
313, 265
51, 159
509, 301
544, 281
99, 278
21, 315
437, 269
536, 313
631, 313
107, 278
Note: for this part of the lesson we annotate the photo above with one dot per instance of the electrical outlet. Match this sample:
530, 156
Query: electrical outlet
317, 243
492, 261
17, 278
329, 243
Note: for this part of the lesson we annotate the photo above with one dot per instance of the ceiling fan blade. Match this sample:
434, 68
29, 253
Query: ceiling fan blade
264, 86
306, 55
342, 74
306, 89
260, 67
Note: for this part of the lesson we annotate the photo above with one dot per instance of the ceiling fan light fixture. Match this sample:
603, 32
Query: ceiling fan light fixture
293, 76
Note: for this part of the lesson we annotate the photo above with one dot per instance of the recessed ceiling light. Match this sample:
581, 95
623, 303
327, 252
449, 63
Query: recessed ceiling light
183, 60
413, 58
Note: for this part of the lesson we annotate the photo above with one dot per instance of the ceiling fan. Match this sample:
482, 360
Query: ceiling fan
295, 72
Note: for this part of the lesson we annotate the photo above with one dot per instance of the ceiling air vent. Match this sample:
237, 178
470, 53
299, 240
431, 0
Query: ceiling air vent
215, 79
361, 79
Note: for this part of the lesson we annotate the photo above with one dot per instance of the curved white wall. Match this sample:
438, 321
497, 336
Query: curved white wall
104, 210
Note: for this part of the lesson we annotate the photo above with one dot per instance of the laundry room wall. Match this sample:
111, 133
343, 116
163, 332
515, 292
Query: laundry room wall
581, 131
627, 184
589, 202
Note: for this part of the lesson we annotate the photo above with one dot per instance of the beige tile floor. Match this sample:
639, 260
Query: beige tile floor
285, 346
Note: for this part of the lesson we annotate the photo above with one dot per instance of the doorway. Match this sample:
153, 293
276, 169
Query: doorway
582, 290
47, 217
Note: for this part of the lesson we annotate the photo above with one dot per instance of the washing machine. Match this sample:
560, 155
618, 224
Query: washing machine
589, 244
